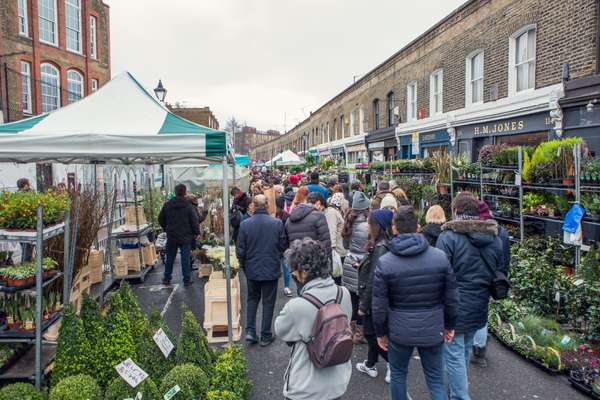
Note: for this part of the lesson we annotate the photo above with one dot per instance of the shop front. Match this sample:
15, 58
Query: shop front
581, 111
390, 149
356, 154
406, 147
382, 144
526, 130
431, 142
338, 154
376, 151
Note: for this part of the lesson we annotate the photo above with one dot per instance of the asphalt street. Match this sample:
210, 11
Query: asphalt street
507, 376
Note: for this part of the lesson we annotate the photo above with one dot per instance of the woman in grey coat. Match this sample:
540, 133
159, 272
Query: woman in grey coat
355, 234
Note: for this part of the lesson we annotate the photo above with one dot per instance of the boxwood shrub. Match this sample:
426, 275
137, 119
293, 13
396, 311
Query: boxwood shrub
20, 391
76, 387
221, 395
118, 389
191, 379
230, 373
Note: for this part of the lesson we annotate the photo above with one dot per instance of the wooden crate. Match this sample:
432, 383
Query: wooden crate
78, 290
215, 306
85, 278
218, 334
204, 270
120, 266
149, 254
95, 263
130, 215
132, 259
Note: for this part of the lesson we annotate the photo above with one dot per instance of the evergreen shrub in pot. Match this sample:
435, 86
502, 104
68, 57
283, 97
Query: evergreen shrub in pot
76, 387
118, 389
191, 379
20, 391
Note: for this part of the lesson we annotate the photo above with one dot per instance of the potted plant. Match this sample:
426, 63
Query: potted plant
441, 162
459, 165
591, 203
532, 200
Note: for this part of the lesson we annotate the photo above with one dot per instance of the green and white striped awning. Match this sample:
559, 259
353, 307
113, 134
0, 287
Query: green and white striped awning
120, 123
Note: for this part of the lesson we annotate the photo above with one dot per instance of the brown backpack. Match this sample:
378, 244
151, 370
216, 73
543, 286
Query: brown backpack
330, 341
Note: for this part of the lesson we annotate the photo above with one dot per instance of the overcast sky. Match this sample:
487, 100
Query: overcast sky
262, 59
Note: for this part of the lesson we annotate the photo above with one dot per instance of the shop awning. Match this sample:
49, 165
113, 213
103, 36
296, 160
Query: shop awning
122, 123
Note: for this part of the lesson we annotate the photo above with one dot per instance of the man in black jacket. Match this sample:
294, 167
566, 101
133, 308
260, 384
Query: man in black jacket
259, 248
474, 250
414, 304
181, 223
307, 220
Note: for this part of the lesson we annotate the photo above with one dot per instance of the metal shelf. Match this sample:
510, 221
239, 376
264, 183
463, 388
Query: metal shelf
501, 196
500, 168
548, 188
548, 219
120, 233
15, 289
516, 221
30, 236
23, 368
28, 337
498, 184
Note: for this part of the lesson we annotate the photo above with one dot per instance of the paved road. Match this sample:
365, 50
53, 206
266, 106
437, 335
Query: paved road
507, 377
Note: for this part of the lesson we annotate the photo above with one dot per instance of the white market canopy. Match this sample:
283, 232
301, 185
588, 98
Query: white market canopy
121, 123
286, 159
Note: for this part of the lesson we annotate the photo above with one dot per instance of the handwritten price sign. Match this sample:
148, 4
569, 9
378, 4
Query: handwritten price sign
131, 372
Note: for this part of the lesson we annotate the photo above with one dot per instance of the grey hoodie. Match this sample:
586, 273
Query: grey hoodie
303, 381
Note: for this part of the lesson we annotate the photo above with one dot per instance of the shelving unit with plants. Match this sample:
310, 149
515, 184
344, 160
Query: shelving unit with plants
31, 218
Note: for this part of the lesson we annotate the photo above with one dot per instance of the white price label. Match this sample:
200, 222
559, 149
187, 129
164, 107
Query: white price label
518, 179
163, 342
172, 392
131, 372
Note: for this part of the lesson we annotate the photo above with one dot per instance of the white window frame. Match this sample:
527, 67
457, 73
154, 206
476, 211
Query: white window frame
80, 81
55, 22
512, 59
93, 37
436, 99
361, 120
411, 101
469, 77
43, 74
95, 85
376, 114
78, 6
27, 105
352, 131
390, 106
23, 19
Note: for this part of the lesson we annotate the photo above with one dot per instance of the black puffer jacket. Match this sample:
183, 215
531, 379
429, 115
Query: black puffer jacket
432, 232
180, 220
365, 276
414, 293
305, 221
465, 243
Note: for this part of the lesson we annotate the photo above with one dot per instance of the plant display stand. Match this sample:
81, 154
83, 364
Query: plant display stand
215, 308
33, 365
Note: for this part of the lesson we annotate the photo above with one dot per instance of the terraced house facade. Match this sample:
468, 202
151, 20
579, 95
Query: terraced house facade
493, 71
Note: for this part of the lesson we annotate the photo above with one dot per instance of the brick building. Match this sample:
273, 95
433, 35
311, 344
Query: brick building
199, 115
52, 53
493, 71
249, 138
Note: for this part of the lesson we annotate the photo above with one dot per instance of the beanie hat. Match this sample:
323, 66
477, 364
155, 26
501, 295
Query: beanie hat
360, 202
383, 217
389, 201
336, 200
484, 211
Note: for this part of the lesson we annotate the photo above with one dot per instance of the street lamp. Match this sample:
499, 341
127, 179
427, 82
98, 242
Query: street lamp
160, 92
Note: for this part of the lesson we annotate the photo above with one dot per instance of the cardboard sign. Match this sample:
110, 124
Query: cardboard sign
172, 392
163, 342
131, 372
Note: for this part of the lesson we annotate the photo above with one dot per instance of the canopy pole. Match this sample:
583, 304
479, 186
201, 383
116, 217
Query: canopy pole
226, 241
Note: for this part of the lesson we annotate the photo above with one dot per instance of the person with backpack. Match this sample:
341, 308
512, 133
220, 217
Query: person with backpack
474, 250
316, 326
239, 207
415, 302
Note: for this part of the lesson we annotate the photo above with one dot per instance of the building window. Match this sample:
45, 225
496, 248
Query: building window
522, 60
474, 78
93, 37
411, 101
436, 88
94, 85
376, 114
26, 87
73, 24
352, 132
391, 104
50, 82
48, 17
74, 86
23, 21
342, 127
335, 129
361, 121
328, 136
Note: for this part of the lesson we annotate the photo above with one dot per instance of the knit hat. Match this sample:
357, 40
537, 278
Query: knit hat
360, 202
484, 211
389, 201
336, 200
383, 217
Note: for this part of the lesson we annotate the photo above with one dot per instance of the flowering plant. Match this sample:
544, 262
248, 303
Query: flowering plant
19, 210
217, 256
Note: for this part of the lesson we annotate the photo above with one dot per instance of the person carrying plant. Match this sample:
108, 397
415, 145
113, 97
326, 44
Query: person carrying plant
295, 325
259, 247
180, 221
474, 250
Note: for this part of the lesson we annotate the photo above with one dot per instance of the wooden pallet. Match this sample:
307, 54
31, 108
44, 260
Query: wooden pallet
215, 307
218, 333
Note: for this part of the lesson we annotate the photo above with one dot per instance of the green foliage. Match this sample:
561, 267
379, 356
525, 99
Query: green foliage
19, 210
20, 391
76, 387
556, 153
191, 379
151, 359
192, 346
118, 389
230, 372
221, 395
73, 355
127, 302
120, 340
533, 200
591, 202
96, 334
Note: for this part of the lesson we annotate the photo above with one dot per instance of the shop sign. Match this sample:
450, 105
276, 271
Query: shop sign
355, 148
415, 143
437, 136
526, 124
376, 145
338, 150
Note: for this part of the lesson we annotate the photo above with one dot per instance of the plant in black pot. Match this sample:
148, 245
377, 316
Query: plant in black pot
591, 203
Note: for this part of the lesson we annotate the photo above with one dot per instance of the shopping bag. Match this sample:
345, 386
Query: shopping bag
337, 269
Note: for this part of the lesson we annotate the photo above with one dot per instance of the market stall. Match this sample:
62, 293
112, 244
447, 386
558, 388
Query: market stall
286, 159
122, 123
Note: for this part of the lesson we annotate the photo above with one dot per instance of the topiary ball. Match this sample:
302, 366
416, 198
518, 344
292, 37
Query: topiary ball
76, 387
191, 379
20, 391
118, 389
221, 395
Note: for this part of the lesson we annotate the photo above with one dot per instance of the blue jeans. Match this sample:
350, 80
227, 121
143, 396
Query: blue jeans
456, 355
287, 274
432, 361
265, 291
186, 269
480, 339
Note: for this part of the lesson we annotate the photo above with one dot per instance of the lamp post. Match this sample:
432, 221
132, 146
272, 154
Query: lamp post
160, 92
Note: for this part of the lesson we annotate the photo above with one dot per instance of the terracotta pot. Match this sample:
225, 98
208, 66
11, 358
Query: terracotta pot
16, 282
568, 181
442, 189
